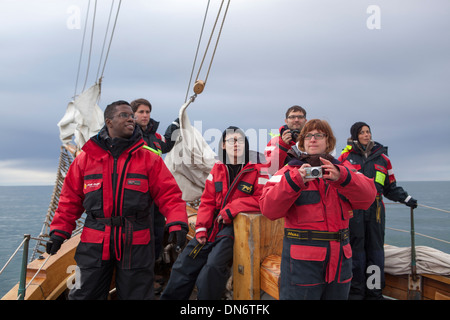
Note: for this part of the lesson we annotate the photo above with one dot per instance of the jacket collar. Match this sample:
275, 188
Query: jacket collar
102, 143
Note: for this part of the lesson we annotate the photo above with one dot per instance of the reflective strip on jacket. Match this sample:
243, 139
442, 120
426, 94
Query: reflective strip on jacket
319, 205
221, 198
138, 178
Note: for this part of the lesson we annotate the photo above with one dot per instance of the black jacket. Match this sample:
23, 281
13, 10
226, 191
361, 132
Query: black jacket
161, 143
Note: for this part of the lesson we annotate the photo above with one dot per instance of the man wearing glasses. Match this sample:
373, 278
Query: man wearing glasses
115, 180
282, 147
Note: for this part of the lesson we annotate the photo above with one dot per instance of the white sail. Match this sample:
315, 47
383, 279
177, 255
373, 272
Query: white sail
191, 158
83, 118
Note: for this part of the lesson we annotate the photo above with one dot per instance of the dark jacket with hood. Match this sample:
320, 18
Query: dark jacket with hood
161, 144
374, 162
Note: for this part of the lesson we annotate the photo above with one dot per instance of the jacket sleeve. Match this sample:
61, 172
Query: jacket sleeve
355, 186
275, 154
70, 206
390, 188
167, 195
206, 210
280, 192
170, 136
248, 203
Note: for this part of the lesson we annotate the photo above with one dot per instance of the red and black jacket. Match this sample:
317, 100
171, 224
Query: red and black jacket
319, 205
276, 151
228, 198
117, 193
377, 166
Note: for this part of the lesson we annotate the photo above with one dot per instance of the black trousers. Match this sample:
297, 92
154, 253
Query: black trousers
94, 283
367, 229
207, 267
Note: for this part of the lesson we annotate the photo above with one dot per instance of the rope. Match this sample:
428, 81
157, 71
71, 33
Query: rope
210, 38
82, 47
90, 45
209, 43
92, 41
217, 42
35, 275
104, 39
13, 255
420, 205
420, 234
112, 35
198, 48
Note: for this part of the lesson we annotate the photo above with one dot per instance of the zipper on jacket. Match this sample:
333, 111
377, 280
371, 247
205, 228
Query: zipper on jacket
114, 186
117, 189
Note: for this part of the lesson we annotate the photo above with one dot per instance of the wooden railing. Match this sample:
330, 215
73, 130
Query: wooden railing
257, 250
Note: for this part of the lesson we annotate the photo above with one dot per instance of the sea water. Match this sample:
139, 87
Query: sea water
23, 211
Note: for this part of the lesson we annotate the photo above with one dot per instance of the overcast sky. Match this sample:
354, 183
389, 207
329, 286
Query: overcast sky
383, 62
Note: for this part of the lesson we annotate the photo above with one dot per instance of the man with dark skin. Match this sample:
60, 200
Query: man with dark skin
115, 180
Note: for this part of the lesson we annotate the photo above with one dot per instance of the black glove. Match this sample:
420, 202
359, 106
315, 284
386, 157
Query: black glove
54, 244
180, 238
412, 203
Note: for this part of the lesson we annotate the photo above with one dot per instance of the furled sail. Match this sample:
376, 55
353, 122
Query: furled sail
83, 118
428, 260
191, 158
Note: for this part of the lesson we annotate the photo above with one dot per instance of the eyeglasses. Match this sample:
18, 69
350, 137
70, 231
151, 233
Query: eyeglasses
296, 117
231, 141
317, 136
126, 115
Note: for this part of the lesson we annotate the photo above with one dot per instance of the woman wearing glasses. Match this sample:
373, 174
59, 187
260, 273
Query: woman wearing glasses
316, 260
234, 185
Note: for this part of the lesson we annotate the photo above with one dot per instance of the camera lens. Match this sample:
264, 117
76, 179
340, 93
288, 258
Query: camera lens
315, 172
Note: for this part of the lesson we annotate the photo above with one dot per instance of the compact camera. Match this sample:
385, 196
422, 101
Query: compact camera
294, 134
313, 172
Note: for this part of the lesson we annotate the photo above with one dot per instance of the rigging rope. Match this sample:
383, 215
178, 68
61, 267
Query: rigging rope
82, 47
200, 84
217, 42
104, 39
112, 35
92, 43
420, 234
420, 205
198, 48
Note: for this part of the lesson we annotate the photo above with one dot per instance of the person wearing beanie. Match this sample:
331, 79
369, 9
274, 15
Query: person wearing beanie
234, 185
367, 226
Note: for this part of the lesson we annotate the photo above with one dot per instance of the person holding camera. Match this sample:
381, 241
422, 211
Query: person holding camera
367, 226
282, 147
316, 195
